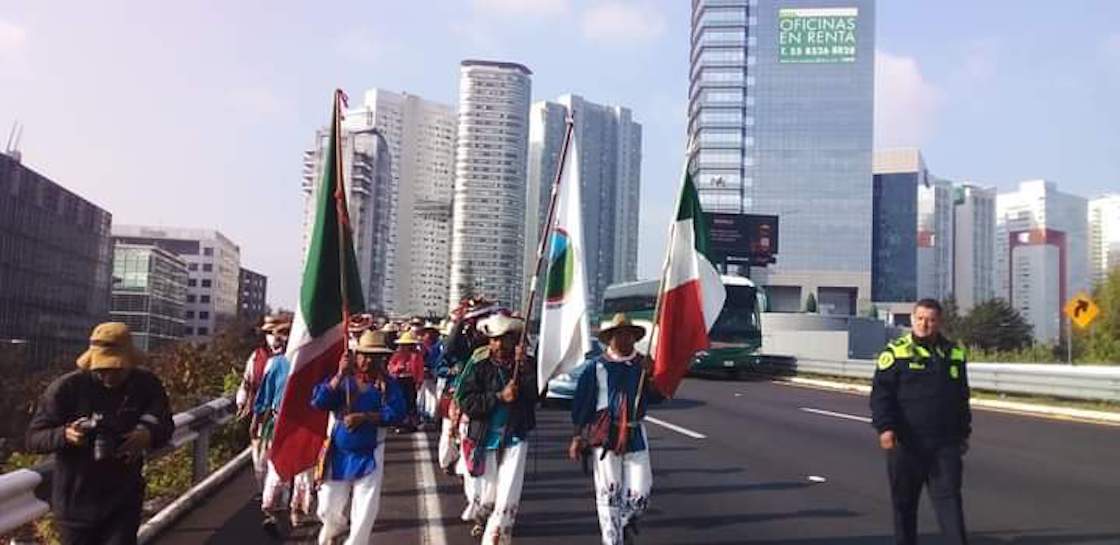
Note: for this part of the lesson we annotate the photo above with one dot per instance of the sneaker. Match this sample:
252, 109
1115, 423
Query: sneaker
271, 526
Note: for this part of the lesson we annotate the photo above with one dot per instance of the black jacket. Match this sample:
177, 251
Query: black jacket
85, 490
478, 395
920, 391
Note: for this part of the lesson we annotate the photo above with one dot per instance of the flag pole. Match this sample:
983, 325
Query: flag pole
546, 232
661, 283
343, 216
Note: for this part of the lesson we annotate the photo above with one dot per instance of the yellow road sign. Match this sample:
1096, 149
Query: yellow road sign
1082, 310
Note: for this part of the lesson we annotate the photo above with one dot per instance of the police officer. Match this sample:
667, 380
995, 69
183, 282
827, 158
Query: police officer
919, 406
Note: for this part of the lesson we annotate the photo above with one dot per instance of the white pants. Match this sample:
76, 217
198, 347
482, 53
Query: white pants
296, 494
258, 449
622, 485
363, 496
501, 492
448, 454
427, 398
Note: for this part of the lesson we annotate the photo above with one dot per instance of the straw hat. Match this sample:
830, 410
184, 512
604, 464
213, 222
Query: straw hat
360, 322
110, 347
373, 342
500, 324
407, 338
620, 322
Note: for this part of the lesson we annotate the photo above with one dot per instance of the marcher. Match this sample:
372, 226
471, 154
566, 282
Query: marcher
920, 408
431, 347
406, 365
362, 398
98, 421
499, 395
251, 379
279, 495
607, 414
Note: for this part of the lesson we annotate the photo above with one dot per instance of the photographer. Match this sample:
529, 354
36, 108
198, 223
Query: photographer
98, 421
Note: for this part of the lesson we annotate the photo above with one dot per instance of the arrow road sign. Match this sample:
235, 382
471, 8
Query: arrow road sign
1082, 310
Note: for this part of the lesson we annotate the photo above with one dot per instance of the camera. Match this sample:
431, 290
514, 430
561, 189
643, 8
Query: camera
103, 436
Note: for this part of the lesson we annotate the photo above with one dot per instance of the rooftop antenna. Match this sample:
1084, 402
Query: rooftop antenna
12, 148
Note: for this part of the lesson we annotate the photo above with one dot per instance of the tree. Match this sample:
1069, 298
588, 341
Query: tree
951, 320
995, 326
811, 303
1100, 343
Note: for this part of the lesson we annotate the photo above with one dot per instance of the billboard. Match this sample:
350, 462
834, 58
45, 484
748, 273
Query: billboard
743, 238
817, 35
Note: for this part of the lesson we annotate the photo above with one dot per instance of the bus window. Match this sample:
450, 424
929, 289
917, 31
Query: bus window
628, 304
739, 320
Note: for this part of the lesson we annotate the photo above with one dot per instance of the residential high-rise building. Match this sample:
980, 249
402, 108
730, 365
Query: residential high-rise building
610, 154
149, 294
894, 256
1104, 236
252, 295
935, 239
213, 272
55, 265
421, 136
367, 167
780, 116
974, 225
1041, 257
488, 220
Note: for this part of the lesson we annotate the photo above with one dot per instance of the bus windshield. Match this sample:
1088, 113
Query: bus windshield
738, 322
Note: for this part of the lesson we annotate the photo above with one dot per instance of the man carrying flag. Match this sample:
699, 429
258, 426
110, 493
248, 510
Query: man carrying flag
691, 294
330, 292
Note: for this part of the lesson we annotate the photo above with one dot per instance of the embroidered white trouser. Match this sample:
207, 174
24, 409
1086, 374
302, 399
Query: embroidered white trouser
258, 449
427, 397
622, 485
362, 496
448, 454
501, 491
296, 493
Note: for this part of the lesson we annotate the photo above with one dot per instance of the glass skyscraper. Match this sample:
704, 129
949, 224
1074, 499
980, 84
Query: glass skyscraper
780, 120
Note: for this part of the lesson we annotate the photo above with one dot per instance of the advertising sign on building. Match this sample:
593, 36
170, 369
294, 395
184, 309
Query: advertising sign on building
743, 238
817, 35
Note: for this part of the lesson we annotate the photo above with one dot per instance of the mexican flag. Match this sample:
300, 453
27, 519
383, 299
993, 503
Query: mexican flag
691, 297
318, 335
565, 337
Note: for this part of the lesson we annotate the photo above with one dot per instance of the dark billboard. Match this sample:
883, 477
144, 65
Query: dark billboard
743, 238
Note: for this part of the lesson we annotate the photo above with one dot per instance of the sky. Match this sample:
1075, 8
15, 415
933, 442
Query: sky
196, 114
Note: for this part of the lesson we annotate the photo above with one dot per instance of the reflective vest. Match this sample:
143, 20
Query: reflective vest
915, 357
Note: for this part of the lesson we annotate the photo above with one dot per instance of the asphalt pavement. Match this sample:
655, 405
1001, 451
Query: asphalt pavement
748, 463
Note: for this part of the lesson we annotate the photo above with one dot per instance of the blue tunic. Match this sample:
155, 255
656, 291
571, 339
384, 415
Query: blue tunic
272, 385
353, 453
622, 378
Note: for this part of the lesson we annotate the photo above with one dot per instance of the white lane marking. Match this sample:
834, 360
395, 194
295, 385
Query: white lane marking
817, 479
837, 415
432, 532
676, 428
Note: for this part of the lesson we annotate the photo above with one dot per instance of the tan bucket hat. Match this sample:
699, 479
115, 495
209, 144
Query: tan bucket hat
620, 322
373, 342
407, 338
110, 347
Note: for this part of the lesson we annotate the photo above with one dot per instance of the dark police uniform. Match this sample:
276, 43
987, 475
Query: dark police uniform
921, 393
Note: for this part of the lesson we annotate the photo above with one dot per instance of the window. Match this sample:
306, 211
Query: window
204, 299
188, 331
207, 267
209, 252
206, 282
204, 315
192, 267
203, 331
191, 282
190, 298
190, 314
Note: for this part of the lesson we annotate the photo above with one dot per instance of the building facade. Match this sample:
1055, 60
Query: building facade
421, 137
55, 266
898, 175
488, 219
1104, 236
1041, 253
252, 295
780, 119
610, 147
974, 225
935, 239
149, 294
213, 272
367, 167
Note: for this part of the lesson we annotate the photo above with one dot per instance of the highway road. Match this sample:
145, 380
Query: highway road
752, 463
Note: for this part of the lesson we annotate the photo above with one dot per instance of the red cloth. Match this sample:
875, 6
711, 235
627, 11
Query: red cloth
407, 362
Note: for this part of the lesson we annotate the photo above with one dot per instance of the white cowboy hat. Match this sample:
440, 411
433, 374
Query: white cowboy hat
500, 324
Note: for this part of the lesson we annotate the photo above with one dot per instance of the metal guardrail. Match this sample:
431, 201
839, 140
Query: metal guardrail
1081, 382
24, 493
